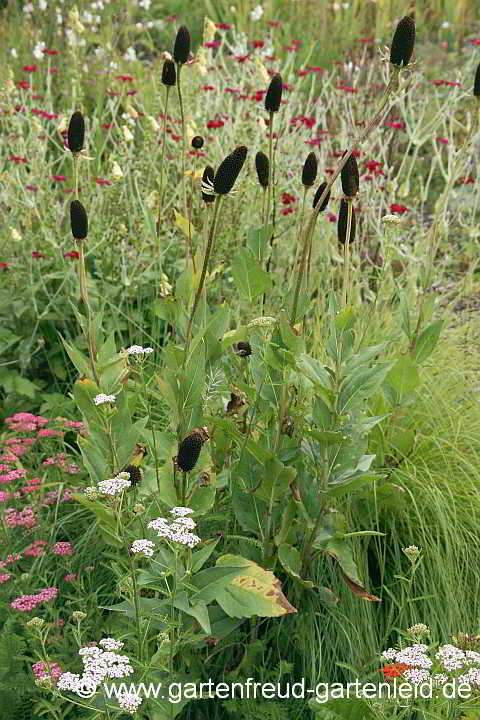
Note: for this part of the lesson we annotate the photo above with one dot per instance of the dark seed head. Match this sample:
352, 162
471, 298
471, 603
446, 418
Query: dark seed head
78, 220
309, 172
76, 132
181, 51
273, 98
207, 180
243, 349
262, 166
319, 194
189, 449
135, 474
229, 170
343, 223
403, 42
476, 83
350, 179
197, 142
169, 74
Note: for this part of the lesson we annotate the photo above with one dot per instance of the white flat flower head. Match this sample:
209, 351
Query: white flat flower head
101, 398
113, 486
144, 547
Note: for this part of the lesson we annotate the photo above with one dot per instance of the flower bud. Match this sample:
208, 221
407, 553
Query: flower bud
207, 183
181, 51
403, 42
169, 74
189, 449
197, 142
78, 220
309, 172
342, 224
319, 194
262, 167
273, 98
350, 179
229, 170
76, 132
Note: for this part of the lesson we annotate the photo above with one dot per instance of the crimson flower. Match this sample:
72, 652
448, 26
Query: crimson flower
72, 254
101, 181
315, 68
17, 159
30, 68
212, 44
59, 178
345, 88
50, 52
223, 26
467, 180
272, 23
396, 670
399, 209
23, 84
287, 211
4, 265
106, 126
258, 43
287, 198
215, 123
36, 254
396, 125
441, 140
125, 78
207, 87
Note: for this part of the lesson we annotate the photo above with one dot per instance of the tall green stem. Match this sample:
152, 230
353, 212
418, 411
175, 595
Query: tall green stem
182, 115
162, 156
198, 294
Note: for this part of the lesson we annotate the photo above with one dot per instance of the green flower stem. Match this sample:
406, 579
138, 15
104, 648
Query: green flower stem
137, 610
182, 115
198, 294
162, 157
346, 254
82, 276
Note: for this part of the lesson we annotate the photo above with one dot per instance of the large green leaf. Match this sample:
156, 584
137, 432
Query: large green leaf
251, 280
253, 591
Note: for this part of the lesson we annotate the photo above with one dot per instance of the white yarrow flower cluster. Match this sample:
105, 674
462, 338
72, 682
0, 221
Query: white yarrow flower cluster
139, 350
256, 13
451, 657
471, 677
179, 529
145, 547
111, 644
130, 702
416, 677
101, 398
38, 50
116, 485
98, 665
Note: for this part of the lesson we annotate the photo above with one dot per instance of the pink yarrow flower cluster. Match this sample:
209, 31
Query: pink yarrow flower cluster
26, 422
61, 461
62, 548
12, 475
19, 518
43, 670
25, 603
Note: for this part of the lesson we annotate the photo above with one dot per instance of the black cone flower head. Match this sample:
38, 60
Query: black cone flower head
135, 474
229, 170
343, 223
319, 194
197, 142
403, 42
262, 166
350, 179
207, 184
243, 349
76, 132
273, 98
189, 449
181, 51
476, 83
309, 172
78, 220
169, 74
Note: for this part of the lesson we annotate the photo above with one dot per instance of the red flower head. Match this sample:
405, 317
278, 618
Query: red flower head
396, 670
